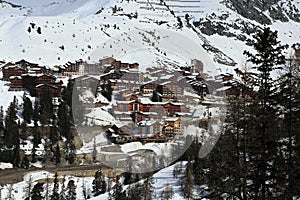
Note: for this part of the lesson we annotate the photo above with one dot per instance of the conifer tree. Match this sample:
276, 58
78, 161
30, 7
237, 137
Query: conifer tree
27, 109
84, 190
62, 194
70, 151
46, 107
167, 193
28, 189
99, 183
117, 192
55, 192
37, 191
10, 190
57, 154
54, 133
36, 114
11, 126
64, 121
147, 188
25, 162
263, 130
187, 182
71, 190
288, 92
94, 153
134, 191
1, 127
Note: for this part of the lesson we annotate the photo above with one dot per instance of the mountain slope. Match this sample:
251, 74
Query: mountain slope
52, 33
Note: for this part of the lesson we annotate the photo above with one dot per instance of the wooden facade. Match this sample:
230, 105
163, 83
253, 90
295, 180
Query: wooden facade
9, 71
54, 89
16, 83
170, 91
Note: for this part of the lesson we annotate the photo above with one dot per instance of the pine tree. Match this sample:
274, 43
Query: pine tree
57, 154
28, 189
117, 192
67, 93
10, 190
55, 194
147, 188
46, 107
54, 133
99, 184
263, 129
134, 191
71, 190
25, 162
27, 109
167, 193
47, 188
94, 153
36, 114
37, 191
187, 182
36, 141
77, 110
70, 151
64, 121
290, 102
155, 97
106, 89
11, 126
1, 127
84, 190
62, 194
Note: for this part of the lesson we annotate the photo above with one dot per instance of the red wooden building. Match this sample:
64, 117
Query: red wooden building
12, 70
54, 89
16, 83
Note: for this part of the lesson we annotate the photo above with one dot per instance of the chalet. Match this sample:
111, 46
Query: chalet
106, 61
114, 74
119, 130
198, 65
10, 70
55, 90
45, 79
25, 64
118, 65
132, 75
122, 110
170, 91
200, 87
77, 68
130, 80
148, 88
93, 69
145, 109
29, 81
36, 70
150, 127
172, 108
87, 81
172, 126
16, 83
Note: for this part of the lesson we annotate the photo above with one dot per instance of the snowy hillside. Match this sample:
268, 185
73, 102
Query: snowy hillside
52, 33
161, 179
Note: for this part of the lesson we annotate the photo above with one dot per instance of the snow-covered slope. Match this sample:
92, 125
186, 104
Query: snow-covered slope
161, 180
52, 33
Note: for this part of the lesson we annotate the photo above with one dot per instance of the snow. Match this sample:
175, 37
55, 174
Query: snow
161, 179
5, 165
100, 117
6, 97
